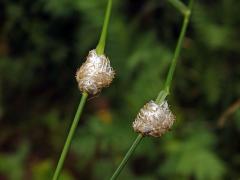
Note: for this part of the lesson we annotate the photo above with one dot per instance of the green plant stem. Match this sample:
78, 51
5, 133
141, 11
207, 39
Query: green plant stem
127, 156
163, 93
167, 85
180, 6
100, 50
70, 136
102, 41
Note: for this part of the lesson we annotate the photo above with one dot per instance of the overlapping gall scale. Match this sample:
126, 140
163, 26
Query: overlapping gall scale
95, 73
154, 119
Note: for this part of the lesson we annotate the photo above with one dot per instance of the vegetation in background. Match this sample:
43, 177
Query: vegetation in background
41, 44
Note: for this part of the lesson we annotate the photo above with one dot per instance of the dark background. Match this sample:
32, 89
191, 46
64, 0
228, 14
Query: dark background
43, 42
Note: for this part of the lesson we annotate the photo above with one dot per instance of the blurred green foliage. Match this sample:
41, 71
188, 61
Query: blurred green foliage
42, 43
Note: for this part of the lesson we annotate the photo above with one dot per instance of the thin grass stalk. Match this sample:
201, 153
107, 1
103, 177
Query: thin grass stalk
70, 136
165, 92
179, 5
100, 50
166, 89
102, 41
127, 156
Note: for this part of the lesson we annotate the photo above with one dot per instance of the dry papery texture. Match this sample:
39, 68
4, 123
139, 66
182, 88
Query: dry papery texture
154, 119
95, 73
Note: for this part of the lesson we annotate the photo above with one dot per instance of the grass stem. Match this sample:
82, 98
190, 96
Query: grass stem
70, 136
167, 85
100, 50
102, 41
127, 156
180, 6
